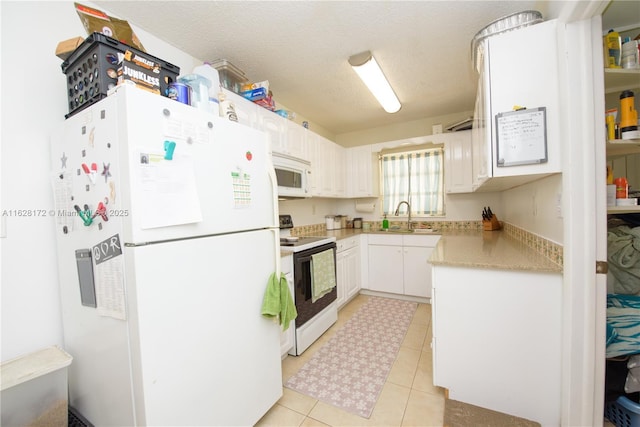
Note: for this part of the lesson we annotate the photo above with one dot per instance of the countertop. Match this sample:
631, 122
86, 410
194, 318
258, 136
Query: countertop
473, 249
489, 249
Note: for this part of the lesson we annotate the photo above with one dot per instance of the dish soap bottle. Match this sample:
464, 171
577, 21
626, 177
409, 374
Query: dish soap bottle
385, 223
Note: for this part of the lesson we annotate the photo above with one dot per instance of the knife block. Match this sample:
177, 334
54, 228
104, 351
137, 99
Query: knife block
491, 224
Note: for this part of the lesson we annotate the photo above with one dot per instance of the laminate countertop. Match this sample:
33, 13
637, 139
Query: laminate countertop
475, 249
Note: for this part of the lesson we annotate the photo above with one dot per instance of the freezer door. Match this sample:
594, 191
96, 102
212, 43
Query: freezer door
192, 173
166, 169
206, 355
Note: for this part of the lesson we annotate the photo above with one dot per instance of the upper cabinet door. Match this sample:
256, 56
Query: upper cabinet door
458, 163
361, 172
524, 72
296, 140
275, 126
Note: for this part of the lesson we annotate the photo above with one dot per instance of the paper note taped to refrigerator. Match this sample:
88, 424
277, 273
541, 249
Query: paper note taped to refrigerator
167, 192
109, 278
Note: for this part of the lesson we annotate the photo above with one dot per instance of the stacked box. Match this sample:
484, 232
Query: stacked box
231, 77
96, 65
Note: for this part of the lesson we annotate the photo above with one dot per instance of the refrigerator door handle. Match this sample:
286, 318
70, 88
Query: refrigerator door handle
276, 252
276, 220
274, 192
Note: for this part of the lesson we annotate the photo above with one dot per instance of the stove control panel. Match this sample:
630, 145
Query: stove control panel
286, 221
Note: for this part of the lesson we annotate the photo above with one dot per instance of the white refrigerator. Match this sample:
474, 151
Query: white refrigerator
167, 231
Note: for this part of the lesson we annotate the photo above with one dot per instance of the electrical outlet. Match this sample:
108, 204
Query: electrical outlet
559, 205
534, 205
313, 209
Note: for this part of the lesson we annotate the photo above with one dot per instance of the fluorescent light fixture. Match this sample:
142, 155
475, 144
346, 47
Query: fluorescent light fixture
365, 65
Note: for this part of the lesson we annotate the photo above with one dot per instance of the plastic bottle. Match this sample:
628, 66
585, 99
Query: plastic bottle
206, 70
622, 188
612, 46
630, 55
385, 223
628, 114
611, 128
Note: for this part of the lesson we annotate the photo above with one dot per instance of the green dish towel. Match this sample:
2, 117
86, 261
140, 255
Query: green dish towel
323, 274
277, 302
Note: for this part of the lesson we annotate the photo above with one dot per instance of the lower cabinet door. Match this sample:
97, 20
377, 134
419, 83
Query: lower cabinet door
417, 271
386, 269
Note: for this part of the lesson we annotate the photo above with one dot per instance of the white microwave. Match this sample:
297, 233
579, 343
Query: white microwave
293, 176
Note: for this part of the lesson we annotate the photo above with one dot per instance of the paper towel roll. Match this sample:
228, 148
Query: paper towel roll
365, 207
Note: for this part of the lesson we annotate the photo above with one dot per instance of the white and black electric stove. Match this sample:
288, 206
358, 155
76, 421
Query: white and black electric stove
315, 315
298, 243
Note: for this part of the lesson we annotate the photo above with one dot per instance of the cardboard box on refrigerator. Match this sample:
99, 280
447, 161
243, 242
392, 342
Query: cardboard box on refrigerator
66, 47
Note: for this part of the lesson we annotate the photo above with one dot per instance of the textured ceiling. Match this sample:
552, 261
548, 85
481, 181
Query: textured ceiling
302, 48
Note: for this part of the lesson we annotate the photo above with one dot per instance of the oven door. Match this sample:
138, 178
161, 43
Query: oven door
302, 284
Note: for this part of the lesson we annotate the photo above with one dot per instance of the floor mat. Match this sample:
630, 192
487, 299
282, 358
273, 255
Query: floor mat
351, 368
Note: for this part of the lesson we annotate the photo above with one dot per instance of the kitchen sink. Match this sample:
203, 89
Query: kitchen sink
423, 230
395, 230
406, 231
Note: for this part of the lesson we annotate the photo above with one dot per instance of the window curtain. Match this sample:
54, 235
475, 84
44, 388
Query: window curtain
416, 177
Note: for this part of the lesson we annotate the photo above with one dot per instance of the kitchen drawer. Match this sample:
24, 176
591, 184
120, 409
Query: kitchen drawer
385, 239
347, 243
420, 240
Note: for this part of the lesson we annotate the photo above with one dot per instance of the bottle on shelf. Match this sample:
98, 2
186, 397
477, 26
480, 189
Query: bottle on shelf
206, 70
628, 116
612, 49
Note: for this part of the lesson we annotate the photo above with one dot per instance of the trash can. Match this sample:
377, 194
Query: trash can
34, 389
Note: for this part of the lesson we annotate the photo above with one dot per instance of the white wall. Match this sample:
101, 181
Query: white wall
411, 129
34, 102
458, 207
534, 207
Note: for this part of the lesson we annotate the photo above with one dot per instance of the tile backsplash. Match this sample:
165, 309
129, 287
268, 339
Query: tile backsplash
549, 249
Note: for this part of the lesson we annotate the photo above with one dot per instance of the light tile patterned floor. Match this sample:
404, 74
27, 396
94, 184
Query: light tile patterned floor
407, 399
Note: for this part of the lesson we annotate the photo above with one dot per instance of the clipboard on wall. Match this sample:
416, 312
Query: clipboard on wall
521, 137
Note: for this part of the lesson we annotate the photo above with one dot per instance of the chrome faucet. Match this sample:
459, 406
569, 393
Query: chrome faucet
408, 212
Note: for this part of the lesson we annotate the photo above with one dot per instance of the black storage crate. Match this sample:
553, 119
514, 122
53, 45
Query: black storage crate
92, 69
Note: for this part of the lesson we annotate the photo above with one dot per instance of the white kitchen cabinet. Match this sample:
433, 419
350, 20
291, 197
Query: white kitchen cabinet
287, 137
417, 271
327, 166
339, 170
362, 172
458, 173
398, 264
296, 140
386, 268
275, 126
287, 337
496, 341
347, 269
514, 77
